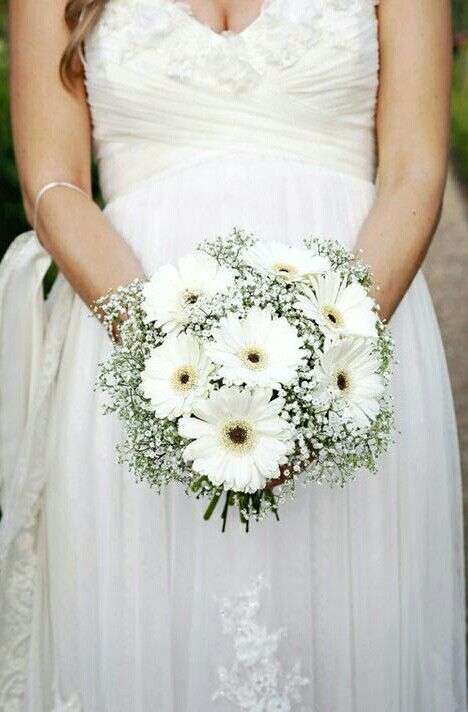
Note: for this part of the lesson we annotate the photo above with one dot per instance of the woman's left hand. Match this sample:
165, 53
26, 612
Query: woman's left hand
285, 474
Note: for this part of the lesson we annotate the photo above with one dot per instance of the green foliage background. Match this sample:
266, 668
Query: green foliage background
12, 216
12, 220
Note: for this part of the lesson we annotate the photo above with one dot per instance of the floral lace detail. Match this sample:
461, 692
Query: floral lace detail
72, 704
256, 681
16, 592
18, 560
188, 50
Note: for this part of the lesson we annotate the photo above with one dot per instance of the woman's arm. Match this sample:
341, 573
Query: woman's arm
52, 137
412, 134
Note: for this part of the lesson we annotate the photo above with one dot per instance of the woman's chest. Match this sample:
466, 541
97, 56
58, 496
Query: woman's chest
225, 15
296, 44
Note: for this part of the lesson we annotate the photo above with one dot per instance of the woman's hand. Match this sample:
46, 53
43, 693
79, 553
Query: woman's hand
286, 474
113, 327
117, 326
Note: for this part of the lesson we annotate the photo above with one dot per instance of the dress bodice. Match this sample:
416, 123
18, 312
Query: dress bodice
165, 90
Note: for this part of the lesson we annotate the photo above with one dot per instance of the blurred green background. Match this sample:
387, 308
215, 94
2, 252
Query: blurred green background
12, 216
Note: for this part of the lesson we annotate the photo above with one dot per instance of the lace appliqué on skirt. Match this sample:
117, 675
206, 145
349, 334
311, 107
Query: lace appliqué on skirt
71, 704
256, 680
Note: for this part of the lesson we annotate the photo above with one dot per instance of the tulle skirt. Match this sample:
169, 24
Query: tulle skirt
353, 602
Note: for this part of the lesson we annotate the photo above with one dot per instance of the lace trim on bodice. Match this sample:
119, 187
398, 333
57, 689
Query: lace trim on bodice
186, 49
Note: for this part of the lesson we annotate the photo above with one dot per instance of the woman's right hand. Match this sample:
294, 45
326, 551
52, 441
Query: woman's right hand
52, 137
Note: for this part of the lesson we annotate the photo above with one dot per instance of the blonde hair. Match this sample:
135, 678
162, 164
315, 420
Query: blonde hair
80, 17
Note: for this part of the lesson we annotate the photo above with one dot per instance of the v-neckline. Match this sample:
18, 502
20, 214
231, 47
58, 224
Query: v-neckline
185, 8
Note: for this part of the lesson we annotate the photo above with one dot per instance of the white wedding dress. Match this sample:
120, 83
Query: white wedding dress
117, 599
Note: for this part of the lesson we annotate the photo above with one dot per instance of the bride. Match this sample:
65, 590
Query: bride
206, 115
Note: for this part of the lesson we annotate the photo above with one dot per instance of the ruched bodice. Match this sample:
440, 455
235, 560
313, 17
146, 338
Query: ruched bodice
166, 90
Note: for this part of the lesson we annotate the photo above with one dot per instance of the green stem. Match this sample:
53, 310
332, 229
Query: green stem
197, 484
247, 506
272, 499
257, 503
241, 498
226, 509
212, 505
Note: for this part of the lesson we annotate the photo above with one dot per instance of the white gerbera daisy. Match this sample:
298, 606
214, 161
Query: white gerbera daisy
259, 350
338, 308
172, 289
348, 371
286, 261
239, 438
176, 376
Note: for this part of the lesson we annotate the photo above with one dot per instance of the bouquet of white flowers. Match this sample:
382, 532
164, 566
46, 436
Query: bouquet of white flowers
247, 362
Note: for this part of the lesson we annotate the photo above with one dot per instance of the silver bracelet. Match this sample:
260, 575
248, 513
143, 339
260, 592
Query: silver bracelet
42, 191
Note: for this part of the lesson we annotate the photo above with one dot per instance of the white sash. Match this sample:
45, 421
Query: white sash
32, 334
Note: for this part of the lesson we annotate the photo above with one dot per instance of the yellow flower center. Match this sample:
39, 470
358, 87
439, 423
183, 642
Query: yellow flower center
285, 269
254, 358
190, 296
238, 436
342, 381
184, 379
333, 317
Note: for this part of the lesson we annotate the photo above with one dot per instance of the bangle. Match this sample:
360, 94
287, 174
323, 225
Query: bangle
42, 191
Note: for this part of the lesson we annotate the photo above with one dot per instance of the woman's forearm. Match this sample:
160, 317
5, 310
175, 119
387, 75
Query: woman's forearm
397, 233
412, 131
88, 251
